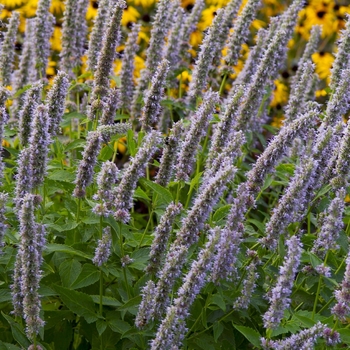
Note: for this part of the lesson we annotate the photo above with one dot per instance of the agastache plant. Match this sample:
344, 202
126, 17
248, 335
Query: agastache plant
7, 52
127, 70
124, 191
279, 298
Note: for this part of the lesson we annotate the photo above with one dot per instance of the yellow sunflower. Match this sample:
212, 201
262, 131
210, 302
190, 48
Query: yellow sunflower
280, 94
323, 61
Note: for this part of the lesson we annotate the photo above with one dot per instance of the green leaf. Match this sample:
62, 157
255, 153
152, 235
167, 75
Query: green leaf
163, 193
69, 270
140, 258
63, 228
101, 326
7, 346
74, 145
222, 212
119, 326
21, 91
17, 331
62, 248
62, 175
79, 303
5, 295
131, 142
131, 305
108, 301
89, 275
218, 300
344, 335
140, 193
258, 224
218, 329
252, 335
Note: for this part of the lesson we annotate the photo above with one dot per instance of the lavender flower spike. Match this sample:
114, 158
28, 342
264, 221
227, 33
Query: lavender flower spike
152, 109
241, 31
43, 29
7, 52
311, 47
39, 144
3, 120
331, 224
342, 308
198, 128
205, 57
55, 101
190, 26
188, 234
30, 270
223, 130
86, 165
26, 63
278, 146
342, 164
304, 340
146, 308
69, 34
127, 185
156, 44
106, 179
127, 71
95, 43
280, 294
173, 328
111, 107
103, 250
24, 176
162, 233
292, 203
342, 57
108, 52
26, 113
168, 159
339, 102
3, 226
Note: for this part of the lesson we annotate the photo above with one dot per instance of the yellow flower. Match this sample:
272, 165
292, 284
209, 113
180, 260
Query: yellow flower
92, 10
130, 15
57, 7
208, 15
51, 68
323, 61
139, 65
196, 38
277, 121
56, 39
10, 4
280, 94
144, 3
320, 93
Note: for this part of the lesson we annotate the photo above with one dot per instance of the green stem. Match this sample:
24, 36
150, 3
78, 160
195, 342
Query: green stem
146, 229
222, 86
101, 292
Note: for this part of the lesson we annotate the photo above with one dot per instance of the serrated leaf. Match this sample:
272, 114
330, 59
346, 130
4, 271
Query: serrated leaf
101, 326
7, 346
131, 304
79, 303
218, 329
108, 301
258, 224
252, 335
17, 331
218, 300
5, 295
75, 144
140, 258
62, 248
140, 193
119, 326
62, 175
222, 212
163, 193
344, 335
69, 270
89, 275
